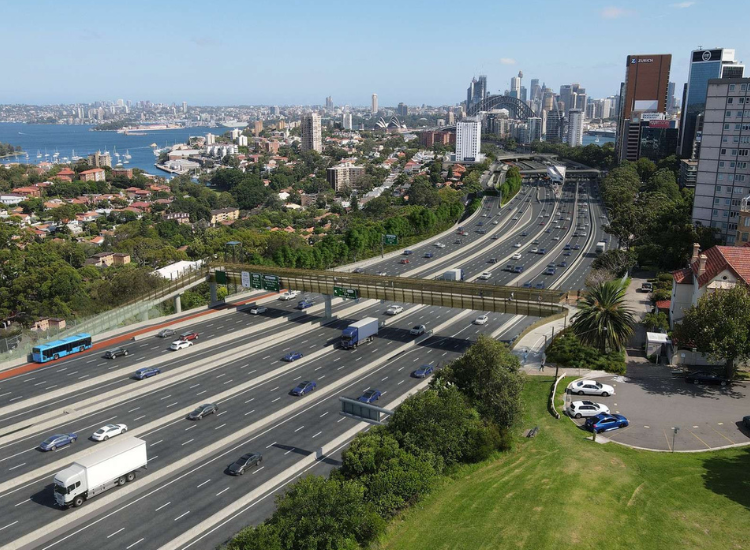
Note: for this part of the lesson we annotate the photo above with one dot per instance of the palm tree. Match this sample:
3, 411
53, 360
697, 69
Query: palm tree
603, 321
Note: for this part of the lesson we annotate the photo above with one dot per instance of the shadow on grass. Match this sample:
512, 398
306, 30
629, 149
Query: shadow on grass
727, 476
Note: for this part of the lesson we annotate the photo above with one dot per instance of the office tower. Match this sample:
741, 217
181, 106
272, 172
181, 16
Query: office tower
704, 65
548, 100
575, 128
594, 109
555, 126
402, 110
671, 100
535, 91
470, 93
468, 140
523, 94
566, 91
374, 108
451, 118
184, 106
534, 129
643, 91
581, 99
120, 102
275, 111
346, 121
311, 137
480, 89
515, 86
723, 177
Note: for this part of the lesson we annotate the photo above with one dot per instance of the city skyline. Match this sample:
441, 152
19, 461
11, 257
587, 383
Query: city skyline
158, 57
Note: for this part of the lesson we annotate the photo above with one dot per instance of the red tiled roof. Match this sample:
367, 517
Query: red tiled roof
735, 259
683, 276
663, 304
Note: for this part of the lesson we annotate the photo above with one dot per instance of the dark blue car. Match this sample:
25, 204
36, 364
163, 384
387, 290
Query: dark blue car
423, 372
292, 356
56, 441
428, 254
304, 304
605, 422
370, 396
303, 388
146, 372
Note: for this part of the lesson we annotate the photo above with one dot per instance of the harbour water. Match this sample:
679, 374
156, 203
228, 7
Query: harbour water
587, 140
65, 139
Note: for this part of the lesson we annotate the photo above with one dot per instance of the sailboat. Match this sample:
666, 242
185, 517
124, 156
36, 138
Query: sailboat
74, 157
38, 154
127, 154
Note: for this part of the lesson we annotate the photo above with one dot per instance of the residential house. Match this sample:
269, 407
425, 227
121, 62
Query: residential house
66, 173
222, 215
126, 172
28, 192
12, 200
179, 217
95, 174
106, 259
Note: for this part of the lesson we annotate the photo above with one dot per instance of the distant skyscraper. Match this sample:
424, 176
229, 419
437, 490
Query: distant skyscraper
515, 85
535, 91
184, 106
535, 129
346, 121
555, 126
402, 110
643, 91
566, 91
575, 128
671, 101
468, 140
311, 136
275, 111
476, 91
470, 93
374, 108
523, 95
329, 102
704, 65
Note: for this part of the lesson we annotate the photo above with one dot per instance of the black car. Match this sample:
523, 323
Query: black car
707, 378
203, 410
244, 462
117, 352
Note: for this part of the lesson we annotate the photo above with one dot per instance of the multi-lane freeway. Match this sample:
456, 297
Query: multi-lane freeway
185, 497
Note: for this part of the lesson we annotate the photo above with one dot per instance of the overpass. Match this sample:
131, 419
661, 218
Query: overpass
453, 294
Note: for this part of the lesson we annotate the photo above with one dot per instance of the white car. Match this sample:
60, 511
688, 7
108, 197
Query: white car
555, 238
257, 310
481, 320
394, 310
180, 344
515, 218
485, 275
288, 295
517, 245
495, 222
579, 409
591, 387
439, 245
534, 250
110, 430
516, 256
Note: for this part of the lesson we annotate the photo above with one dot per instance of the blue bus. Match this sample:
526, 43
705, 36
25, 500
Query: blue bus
61, 348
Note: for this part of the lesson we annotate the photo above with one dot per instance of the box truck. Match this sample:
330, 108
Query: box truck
454, 275
92, 474
361, 331
601, 246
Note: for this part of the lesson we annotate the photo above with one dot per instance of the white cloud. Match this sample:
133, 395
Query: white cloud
507, 61
682, 5
613, 13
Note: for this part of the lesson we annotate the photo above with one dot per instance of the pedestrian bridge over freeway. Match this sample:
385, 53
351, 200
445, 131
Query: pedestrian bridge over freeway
454, 294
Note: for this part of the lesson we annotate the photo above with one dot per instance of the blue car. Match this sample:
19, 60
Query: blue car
370, 396
407, 252
293, 356
577, 247
146, 372
542, 251
566, 247
423, 372
56, 441
527, 284
606, 422
428, 254
304, 304
303, 388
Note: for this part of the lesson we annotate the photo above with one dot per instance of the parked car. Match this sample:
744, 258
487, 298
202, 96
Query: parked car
370, 396
288, 295
116, 352
238, 467
165, 333
417, 330
702, 377
180, 344
292, 356
606, 422
423, 372
303, 388
646, 287
110, 430
591, 387
579, 409
203, 410
257, 310
394, 310
189, 335
482, 319
56, 441
146, 372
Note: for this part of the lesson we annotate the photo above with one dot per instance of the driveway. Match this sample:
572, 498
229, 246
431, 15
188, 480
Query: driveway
655, 403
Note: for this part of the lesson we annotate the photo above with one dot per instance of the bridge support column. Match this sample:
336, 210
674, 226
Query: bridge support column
177, 304
328, 312
213, 294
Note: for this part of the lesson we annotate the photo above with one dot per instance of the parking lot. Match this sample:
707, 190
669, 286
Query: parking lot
655, 403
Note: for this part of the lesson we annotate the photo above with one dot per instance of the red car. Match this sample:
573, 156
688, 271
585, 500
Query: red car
404, 261
187, 336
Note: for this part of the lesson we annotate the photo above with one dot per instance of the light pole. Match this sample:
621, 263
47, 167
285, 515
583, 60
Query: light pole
674, 433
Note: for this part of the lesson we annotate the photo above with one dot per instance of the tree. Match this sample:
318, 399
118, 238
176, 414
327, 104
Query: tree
656, 321
719, 326
615, 261
603, 321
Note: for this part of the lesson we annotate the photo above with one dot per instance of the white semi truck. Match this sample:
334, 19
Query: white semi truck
92, 474
601, 247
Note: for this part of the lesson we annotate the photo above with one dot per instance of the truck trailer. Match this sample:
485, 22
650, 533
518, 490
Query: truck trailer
361, 331
92, 474
454, 275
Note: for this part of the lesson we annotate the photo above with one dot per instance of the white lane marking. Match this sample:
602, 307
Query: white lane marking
30, 379
50, 387
251, 399
341, 367
144, 416
172, 404
222, 374
321, 377
289, 451
163, 506
166, 397
19, 397
228, 381
250, 412
9, 525
402, 381
4, 394
24, 502
402, 368
222, 412
298, 378
322, 415
271, 445
182, 515
317, 434
222, 491
120, 530
317, 368
188, 441
156, 443
337, 359
72, 373
133, 410
193, 386
298, 429
201, 392
258, 470
340, 420
18, 466
276, 388
84, 376
384, 379
191, 427
274, 401
217, 427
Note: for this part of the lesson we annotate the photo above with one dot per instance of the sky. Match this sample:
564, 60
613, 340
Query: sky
289, 52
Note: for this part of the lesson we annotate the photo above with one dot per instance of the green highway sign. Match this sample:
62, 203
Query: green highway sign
271, 282
256, 281
350, 293
390, 239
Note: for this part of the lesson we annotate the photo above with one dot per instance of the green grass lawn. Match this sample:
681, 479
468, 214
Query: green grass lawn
561, 491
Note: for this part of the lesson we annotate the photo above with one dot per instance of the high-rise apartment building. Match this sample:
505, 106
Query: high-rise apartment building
402, 110
468, 140
515, 85
723, 178
329, 102
575, 128
346, 121
704, 65
643, 91
374, 107
257, 127
534, 129
346, 176
555, 126
535, 91
312, 139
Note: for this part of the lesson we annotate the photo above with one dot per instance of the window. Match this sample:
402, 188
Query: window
731, 87
744, 237
727, 201
725, 213
741, 165
743, 152
718, 188
716, 212
730, 100
726, 126
731, 164
747, 221
742, 100
721, 164
725, 139
716, 201
737, 126
728, 114
745, 139
736, 139
723, 151
743, 87
734, 152
721, 177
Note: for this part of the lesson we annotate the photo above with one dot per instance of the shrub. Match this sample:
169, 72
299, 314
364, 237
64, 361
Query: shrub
567, 351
